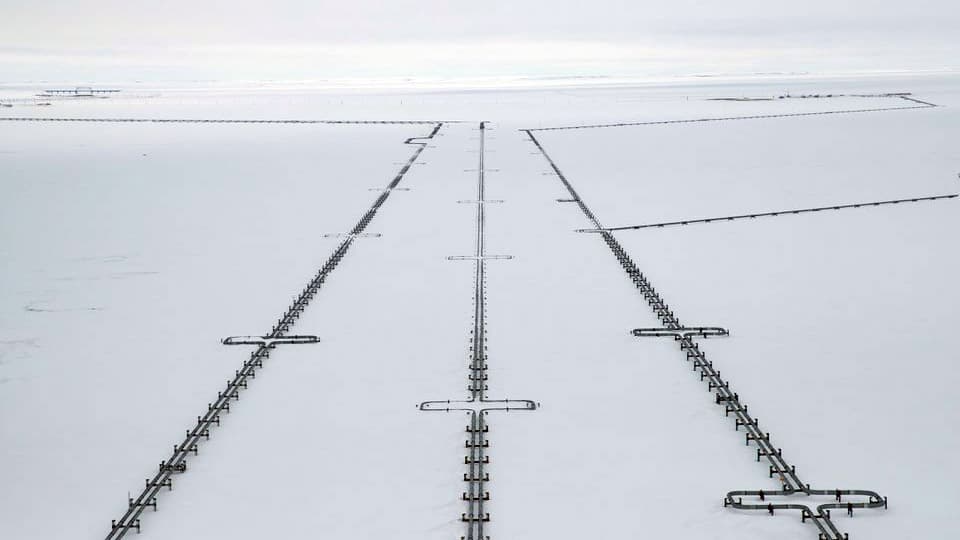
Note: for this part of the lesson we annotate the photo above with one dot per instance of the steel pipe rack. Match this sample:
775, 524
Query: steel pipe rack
176, 463
219, 121
771, 214
477, 406
920, 105
790, 481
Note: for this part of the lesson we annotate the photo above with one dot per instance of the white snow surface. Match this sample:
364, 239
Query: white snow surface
130, 249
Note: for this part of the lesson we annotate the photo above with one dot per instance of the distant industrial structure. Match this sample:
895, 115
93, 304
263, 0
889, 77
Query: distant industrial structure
78, 92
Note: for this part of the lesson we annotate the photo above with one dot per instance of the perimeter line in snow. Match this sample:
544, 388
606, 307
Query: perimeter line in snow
924, 105
218, 121
767, 214
177, 462
792, 485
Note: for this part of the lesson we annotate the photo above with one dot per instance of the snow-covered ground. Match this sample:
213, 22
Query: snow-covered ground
130, 250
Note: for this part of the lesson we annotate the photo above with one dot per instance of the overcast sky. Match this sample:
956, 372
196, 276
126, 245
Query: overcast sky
123, 40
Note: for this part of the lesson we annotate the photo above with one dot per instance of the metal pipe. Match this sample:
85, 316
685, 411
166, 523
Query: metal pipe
163, 477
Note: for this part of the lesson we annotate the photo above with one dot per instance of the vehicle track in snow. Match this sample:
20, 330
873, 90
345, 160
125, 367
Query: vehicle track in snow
176, 463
